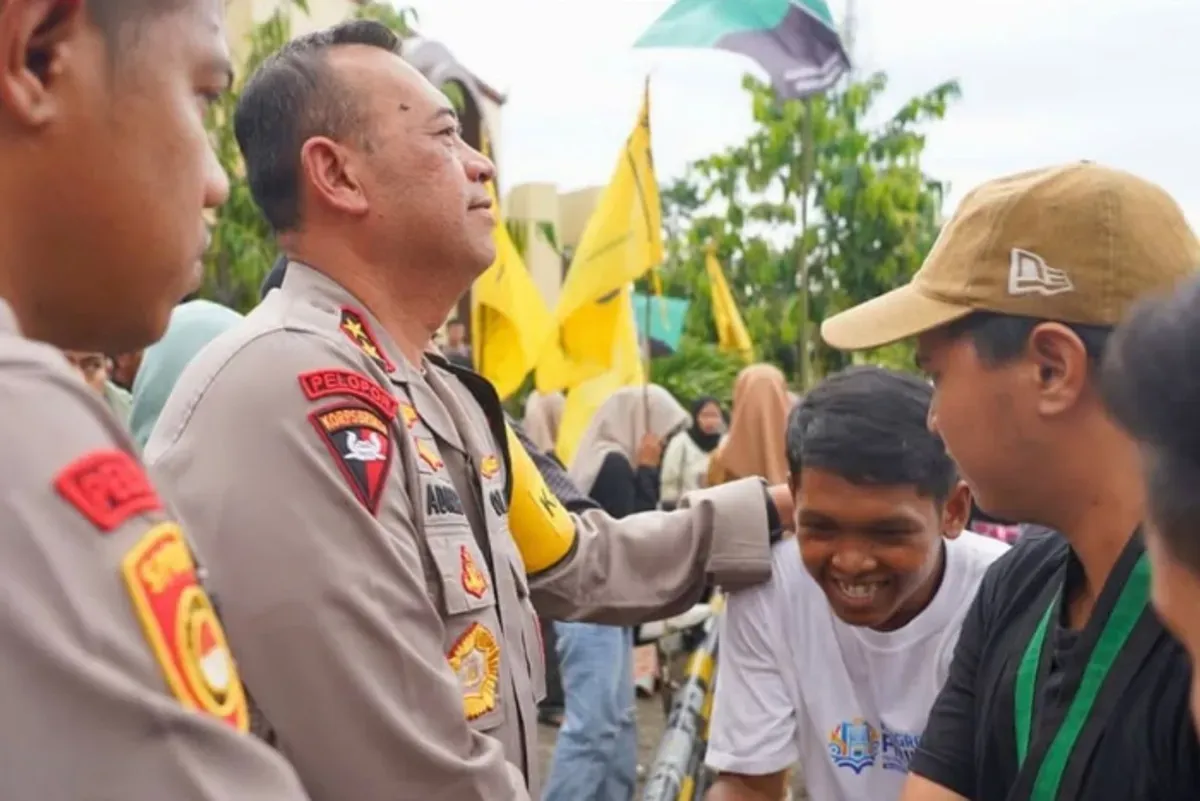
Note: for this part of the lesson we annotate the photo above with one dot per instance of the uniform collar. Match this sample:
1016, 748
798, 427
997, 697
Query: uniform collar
352, 318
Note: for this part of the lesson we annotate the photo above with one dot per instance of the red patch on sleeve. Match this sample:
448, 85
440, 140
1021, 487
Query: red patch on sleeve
107, 487
360, 442
324, 383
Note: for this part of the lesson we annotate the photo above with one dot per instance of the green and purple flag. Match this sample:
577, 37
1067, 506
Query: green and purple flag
795, 41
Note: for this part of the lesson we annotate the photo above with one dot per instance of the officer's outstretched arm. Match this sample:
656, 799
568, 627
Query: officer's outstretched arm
330, 596
589, 566
116, 678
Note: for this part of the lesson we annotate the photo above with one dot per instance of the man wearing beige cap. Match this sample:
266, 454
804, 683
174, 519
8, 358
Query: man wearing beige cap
1064, 685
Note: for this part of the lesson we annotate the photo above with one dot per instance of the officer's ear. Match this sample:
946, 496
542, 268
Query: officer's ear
956, 511
331, 173
34, 57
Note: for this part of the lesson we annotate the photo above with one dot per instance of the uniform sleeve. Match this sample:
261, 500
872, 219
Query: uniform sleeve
653, 565
753, 728
946, 755
327, 603
100, 699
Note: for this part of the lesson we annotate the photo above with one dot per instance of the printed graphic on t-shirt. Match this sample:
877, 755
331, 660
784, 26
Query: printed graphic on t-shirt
897, 747
858, 744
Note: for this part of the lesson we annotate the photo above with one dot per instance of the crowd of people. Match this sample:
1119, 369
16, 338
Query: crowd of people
305, 554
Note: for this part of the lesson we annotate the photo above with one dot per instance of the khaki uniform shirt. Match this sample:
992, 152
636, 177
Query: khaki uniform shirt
115, 678
352, 510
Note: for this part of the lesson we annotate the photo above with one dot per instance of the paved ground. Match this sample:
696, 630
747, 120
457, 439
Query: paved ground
650, 729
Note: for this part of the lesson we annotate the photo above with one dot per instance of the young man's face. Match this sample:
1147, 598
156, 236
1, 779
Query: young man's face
1175, 591
874, 550
109, 167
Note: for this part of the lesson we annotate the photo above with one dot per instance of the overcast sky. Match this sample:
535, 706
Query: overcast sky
1044, 81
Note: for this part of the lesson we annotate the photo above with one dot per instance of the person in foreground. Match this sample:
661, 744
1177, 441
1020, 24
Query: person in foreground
835, 662
105, 172
1064, 684
377, 533
1152, 386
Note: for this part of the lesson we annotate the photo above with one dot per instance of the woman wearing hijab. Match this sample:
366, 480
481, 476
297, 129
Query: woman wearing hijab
754, 445
193, 325
685, 461
543, 413
595, 758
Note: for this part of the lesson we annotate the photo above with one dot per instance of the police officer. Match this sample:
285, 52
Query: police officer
116, 678
377, 535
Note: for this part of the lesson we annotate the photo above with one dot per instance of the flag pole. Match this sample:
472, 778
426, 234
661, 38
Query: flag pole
807, 166
646, 323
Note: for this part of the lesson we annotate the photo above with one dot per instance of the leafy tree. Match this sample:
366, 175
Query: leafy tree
872, 215
243, 247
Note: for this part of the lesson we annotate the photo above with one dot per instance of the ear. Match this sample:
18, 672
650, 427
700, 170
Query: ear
956, 511
332, 176
1060, 358
35, 43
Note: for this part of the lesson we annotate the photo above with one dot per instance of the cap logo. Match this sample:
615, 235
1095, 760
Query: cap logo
1028, 274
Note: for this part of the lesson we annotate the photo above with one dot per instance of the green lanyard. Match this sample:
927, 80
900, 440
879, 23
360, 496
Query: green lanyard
1120, 624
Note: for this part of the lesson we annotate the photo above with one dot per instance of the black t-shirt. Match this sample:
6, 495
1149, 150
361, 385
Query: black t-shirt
1139, 744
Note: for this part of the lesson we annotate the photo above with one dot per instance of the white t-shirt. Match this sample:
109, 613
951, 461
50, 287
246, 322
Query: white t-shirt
797, 685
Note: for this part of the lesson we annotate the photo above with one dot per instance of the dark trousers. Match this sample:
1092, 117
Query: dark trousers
554, 700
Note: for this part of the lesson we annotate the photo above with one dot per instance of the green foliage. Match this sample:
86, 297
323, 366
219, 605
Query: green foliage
872, 214
697, 369
243, 247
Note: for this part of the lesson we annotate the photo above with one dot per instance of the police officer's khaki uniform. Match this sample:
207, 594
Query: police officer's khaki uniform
115, 678
354, 515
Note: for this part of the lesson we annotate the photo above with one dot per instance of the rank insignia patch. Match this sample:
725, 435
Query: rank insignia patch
107, 487
475, 659
429, 455
408, 414
324, 383
359, 332
361, 443
473, 580
181, 626
490, 466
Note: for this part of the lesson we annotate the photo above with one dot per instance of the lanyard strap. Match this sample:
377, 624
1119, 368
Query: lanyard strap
1120, 624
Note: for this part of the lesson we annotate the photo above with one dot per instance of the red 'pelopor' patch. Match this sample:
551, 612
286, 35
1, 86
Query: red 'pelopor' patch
325, 383
108, 487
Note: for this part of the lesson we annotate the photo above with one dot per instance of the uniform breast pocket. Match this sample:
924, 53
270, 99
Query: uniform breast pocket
473, 635
531, 634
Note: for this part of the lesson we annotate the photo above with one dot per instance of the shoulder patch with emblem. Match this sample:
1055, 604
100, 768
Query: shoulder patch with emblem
360, 441
181, 626
358, 330
325, 383
107, 487
475, 659
473, 579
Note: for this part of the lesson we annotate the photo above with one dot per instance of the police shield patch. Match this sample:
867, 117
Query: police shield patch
361, 443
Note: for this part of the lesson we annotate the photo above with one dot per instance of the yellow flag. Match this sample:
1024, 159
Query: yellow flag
510, 322
622, 240
732, 336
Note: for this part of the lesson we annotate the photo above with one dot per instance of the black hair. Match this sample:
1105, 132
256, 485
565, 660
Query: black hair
1151, 384
868, 426
1001, 338
293, 96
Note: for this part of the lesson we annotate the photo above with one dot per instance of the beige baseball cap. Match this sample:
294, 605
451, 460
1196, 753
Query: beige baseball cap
1078, 243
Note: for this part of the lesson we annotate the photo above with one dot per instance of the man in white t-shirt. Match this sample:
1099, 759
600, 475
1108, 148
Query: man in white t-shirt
835, 663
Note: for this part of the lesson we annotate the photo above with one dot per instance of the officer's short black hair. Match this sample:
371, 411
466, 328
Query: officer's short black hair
868, 426
292, 97
1151, 384
1001, 338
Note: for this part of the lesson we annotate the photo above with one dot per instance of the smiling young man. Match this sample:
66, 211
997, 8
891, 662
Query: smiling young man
835, 663
1064, 684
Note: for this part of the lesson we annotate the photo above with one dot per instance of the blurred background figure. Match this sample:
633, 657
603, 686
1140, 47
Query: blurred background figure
543, 414
457, 350
96, 370
685, 461
617, 464
193, 326
754, 445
